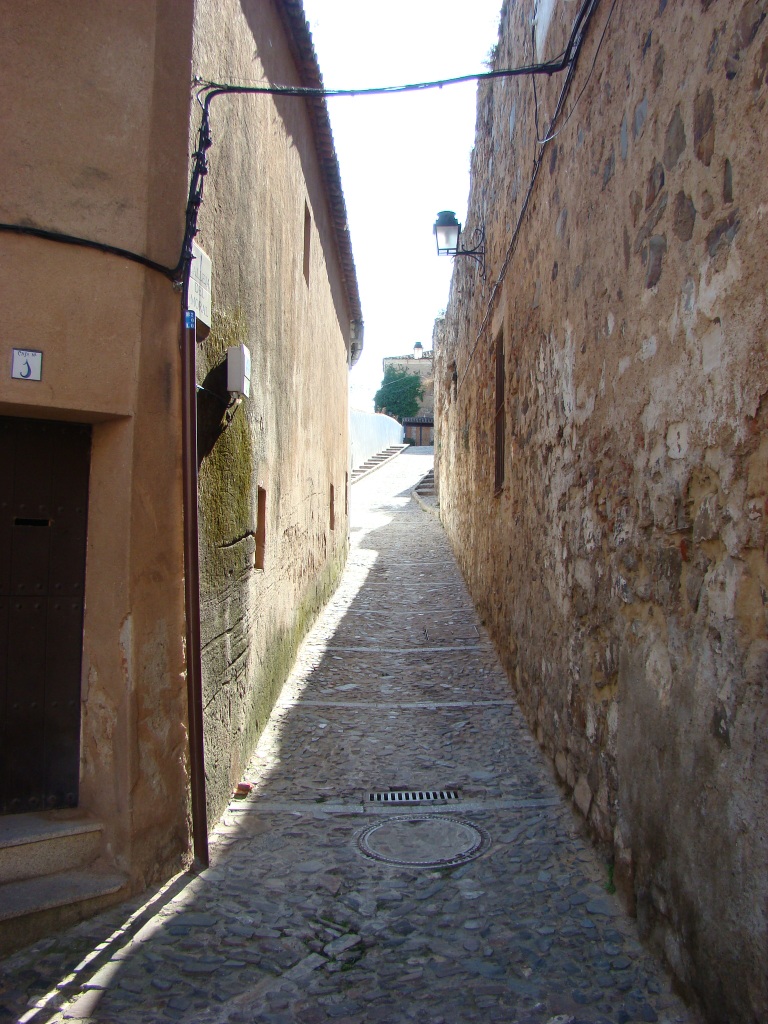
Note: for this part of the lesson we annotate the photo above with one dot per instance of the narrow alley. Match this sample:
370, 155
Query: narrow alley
327, 898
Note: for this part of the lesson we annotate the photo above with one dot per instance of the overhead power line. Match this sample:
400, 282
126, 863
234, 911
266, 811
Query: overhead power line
207, 91
550, 67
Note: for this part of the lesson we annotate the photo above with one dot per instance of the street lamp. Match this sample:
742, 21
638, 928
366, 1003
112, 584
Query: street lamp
447, 235
447, 232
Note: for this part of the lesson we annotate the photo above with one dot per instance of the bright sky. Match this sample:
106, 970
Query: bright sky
402, 158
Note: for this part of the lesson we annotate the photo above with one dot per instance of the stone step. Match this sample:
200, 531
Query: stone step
32, 845
377, 460
34, 907
426, 486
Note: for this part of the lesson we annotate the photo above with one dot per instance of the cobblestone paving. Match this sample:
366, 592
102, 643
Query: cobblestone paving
397, 687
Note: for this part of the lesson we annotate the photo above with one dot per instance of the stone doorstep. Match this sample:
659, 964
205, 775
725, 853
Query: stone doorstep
34, 845
46, 881
32, 895
37, 907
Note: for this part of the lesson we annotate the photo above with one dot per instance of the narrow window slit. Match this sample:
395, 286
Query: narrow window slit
307, 240
261, 528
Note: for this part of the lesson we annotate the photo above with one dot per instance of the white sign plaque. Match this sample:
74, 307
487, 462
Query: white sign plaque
27, 365
200, 285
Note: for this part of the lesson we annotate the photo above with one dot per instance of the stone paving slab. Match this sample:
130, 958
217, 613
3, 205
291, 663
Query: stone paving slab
296, 920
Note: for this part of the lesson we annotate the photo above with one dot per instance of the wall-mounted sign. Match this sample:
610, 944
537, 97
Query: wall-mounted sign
200, 285
27, 365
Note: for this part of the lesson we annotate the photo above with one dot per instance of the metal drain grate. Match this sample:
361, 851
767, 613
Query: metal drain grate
414, 796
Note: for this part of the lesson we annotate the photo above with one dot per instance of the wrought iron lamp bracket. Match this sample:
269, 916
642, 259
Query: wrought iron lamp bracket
477, 253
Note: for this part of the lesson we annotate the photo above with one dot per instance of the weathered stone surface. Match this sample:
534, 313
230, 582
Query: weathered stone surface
641, 113
582, 795
674, 142
723, 232
621, 567
277, 468
704, 125
684, 217
728, 182
658, 63
655, 185
609, 167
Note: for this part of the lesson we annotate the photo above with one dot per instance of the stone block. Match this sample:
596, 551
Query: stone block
674, 141
582, 795
684, 215
704, 125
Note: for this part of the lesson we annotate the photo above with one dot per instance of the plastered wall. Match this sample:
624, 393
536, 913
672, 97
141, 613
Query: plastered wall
621, 566
283, 299
95, 133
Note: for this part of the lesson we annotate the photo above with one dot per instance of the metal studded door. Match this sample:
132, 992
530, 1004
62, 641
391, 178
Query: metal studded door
44, 469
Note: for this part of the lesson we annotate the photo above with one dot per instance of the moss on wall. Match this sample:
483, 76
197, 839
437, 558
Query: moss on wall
289, 438
265, 681
281, 653
226, 478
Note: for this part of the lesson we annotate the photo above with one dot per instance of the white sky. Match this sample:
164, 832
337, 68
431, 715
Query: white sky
402, 158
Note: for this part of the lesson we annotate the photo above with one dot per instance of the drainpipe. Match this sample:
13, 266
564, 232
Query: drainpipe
192, 579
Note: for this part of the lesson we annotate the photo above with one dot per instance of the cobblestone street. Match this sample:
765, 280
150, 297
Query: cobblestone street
319, 905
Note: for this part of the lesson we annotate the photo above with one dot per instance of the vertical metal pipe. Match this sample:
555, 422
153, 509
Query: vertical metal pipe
192, 584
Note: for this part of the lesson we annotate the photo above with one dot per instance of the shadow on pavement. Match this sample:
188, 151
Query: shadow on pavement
396, 688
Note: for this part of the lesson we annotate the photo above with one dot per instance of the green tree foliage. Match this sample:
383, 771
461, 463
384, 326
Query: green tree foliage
400, 393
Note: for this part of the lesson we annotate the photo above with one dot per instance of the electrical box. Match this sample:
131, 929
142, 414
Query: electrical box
239, 370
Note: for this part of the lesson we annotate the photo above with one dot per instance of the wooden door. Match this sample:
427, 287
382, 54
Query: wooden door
44, 468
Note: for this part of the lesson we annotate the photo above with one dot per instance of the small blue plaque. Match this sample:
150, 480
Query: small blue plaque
27, 365
189, 319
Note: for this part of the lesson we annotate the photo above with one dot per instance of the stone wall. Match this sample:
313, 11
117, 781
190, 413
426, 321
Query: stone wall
621, 561
274, 471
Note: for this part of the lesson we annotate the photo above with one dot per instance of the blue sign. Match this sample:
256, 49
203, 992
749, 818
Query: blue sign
189, 319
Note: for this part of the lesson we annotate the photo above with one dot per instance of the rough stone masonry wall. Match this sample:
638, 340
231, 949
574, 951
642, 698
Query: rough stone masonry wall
290, 437
622, 567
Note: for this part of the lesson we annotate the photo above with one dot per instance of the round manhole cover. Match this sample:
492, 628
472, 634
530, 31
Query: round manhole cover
423, 841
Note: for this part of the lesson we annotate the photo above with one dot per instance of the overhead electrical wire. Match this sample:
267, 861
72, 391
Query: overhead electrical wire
550, 67
207, 91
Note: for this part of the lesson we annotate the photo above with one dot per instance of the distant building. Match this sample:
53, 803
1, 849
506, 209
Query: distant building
419, 428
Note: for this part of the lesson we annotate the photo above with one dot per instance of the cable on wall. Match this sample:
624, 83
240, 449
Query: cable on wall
581, 26
87, 243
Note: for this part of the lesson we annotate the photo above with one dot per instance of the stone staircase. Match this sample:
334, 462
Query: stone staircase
50, 876
426, 486
377, 460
